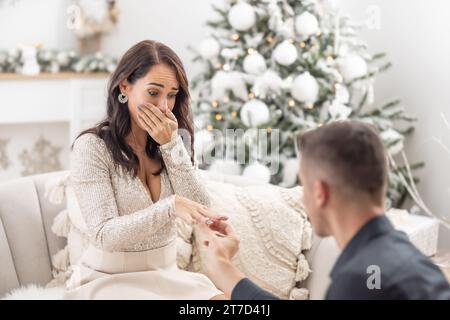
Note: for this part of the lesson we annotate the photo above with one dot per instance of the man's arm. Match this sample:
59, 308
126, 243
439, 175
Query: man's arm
222, 244
245, 289
235, 284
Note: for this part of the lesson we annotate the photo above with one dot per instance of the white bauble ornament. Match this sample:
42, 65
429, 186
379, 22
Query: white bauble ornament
242, 16
305, 88
285, 53
352, 66
209, 48
254, 113
226, 166
306, 24
63, 58
257, 172
290, 172
254, 63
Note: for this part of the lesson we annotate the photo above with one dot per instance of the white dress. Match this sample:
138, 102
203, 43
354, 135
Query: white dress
131, 252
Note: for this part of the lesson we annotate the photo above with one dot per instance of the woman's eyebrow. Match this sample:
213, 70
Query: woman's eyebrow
156, 84
160, 85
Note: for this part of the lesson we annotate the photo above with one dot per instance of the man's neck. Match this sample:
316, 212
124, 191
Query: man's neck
349, 220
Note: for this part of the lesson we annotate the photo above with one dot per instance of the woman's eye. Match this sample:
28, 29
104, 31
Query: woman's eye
153, 93
172, 96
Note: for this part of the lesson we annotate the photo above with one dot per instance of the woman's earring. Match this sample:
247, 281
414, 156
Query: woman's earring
122, 98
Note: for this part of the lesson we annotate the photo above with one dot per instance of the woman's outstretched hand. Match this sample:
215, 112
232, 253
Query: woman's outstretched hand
160, 126
193, 212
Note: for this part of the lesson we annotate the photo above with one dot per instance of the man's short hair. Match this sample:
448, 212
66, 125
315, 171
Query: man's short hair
352, 155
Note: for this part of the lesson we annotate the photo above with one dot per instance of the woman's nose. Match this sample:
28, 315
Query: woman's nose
163, 105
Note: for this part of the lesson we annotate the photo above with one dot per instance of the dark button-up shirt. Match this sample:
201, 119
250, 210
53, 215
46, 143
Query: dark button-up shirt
379, 262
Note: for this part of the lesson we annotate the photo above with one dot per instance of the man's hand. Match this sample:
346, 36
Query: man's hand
222, 243
221, 239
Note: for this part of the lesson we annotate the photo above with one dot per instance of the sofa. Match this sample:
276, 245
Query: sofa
27, 241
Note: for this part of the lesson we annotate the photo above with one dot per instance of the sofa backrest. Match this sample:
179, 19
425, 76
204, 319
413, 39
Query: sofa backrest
26, 239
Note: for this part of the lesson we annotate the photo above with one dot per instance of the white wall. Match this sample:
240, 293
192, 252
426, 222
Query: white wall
174, 22
413, 33
34, 21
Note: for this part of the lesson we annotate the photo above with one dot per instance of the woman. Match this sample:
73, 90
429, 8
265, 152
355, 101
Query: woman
132, 176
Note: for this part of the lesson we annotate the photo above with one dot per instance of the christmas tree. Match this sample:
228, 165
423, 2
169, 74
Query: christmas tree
287, 66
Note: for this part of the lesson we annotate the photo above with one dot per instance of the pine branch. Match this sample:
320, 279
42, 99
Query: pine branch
378, 56
407, 131
362, 102
385, 67
223, 13
390, 104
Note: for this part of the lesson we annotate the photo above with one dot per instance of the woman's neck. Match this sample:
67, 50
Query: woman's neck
137, 137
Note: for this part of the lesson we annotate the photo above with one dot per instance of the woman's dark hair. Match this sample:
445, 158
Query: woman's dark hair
135, 64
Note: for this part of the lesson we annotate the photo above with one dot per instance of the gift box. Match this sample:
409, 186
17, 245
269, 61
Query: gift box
422, 231
442, 260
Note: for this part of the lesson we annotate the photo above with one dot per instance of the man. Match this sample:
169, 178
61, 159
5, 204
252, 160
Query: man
344, 176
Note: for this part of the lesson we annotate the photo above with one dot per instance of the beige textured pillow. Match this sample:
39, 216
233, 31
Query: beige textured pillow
274, 233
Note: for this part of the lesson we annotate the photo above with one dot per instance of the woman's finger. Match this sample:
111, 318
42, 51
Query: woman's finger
143, 123
150, 119
171, 116
145, 110
148, 122
199, 217
211, 215
155, 111
203, 211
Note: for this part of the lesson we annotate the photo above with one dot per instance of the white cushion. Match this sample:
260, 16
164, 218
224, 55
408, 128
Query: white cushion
274, 233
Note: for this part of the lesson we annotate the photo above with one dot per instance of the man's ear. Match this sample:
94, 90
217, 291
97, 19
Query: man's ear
321, 193
124, 86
